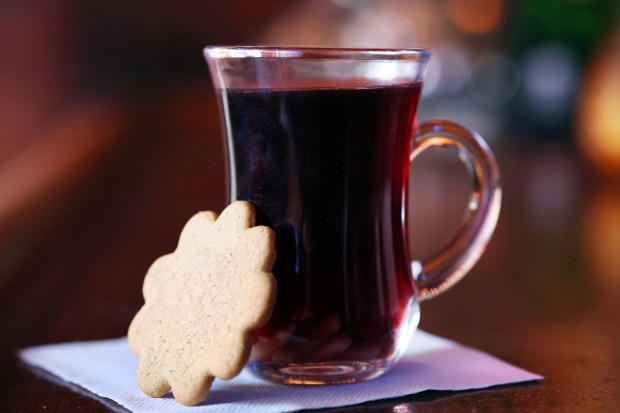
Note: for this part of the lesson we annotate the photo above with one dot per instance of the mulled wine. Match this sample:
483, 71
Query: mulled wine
327, 169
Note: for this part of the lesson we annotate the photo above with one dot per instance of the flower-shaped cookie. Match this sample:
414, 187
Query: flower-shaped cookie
202, 302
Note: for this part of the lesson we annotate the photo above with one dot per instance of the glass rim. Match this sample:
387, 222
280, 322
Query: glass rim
316, 53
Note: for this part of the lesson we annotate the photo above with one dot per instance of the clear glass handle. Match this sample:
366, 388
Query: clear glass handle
444, 269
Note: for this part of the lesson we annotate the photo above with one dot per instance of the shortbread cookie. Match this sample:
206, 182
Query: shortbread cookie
202, 302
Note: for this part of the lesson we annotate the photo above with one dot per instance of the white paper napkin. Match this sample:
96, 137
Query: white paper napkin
108, 368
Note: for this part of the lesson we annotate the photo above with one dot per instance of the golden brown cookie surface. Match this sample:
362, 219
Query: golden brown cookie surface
202, 302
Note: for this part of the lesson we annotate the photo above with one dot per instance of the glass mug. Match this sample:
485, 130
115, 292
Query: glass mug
320, 142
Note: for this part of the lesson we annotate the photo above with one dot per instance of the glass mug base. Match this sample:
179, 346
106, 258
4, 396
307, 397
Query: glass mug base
315, 373
324, 373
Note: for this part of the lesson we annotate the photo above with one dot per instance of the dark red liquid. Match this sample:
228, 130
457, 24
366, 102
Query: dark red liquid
327, 170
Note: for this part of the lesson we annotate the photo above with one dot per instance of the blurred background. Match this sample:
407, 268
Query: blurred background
110, 140
519, 68
108, 121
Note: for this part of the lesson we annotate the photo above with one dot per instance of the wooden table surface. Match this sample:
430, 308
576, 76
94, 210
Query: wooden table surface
545, 296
